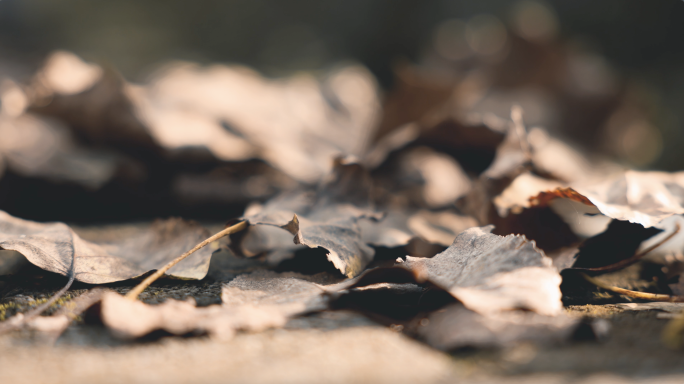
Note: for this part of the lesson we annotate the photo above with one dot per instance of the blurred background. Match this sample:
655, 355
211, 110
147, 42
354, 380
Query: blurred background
120, 126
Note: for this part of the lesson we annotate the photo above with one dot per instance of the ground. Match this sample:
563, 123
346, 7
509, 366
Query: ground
341, 346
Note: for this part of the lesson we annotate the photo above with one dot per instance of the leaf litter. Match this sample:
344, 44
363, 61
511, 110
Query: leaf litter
408, 178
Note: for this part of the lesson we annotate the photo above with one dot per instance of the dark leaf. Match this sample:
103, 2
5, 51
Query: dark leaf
620, 241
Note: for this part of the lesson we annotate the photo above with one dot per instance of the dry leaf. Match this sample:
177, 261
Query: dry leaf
36, 147
618, 242
457, 327
424, 233
91, 100
646, 198
490, 273
251, 303
130, 319
327, 219
57, 248
298, 125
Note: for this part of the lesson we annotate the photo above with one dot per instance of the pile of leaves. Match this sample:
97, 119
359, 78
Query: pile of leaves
424, 209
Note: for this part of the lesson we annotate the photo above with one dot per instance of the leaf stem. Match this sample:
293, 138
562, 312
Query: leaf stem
137, 290
635, 294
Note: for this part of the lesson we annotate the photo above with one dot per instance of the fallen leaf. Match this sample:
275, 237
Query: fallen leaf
421, 231
55, 324
38, 147
646, 198
490, 273
251, 303
457, 327
423, 177
91, 100
516, 196
618, 242
560, 161
327, 219
131, 319
56, 248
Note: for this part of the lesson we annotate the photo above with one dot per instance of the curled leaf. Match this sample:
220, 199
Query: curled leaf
251, 303
490, 273
327, 219
54, 247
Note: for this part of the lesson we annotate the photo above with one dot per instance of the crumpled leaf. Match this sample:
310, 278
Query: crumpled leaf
327, 219
424, 233
316, 119
91, 100
298, 124
131, 319
490, 273
36, 147
664, 310
560, 161
251, 303
56, 248
457, 327
618, 242
424, 178
646, 198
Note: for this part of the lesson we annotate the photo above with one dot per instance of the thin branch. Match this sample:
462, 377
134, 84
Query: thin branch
629, 261
18, 321
133, 294
635, 294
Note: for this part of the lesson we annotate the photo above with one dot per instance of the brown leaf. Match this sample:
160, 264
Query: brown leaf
60, 320
36, 147
130, 319
618, 242
558, 160
646, 198
311, 129
232, 111
424, 233
490, 273
327, 219
456, 327
424, 178
57, 248
91, 100
415, 94
251, 303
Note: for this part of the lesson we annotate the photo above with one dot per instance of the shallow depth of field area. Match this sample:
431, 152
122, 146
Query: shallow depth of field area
347, 192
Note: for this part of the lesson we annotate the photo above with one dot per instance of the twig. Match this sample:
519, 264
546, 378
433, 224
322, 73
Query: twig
635, 294
17, 321
633, 259
133, 294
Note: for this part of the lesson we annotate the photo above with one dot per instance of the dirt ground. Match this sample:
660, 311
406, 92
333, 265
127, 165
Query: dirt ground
329, 347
